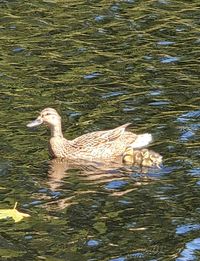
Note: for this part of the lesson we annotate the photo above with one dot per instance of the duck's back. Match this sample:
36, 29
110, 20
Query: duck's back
103, 144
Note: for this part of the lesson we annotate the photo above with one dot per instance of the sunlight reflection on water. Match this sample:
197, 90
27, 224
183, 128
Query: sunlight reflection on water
189, 251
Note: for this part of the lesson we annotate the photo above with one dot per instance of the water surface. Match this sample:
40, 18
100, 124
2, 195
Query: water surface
100, 64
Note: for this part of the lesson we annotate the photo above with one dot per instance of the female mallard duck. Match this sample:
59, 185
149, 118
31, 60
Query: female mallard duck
98, 145
142, 157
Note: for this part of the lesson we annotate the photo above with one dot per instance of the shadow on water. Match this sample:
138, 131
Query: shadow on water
100, 64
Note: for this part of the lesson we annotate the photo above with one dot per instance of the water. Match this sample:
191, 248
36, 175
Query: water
100, 64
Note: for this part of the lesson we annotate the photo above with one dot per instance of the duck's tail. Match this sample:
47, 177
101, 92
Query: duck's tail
142, 140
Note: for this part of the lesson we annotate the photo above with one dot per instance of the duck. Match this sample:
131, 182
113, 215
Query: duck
141, 157
98, 145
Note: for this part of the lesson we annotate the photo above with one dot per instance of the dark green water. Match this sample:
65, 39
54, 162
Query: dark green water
100, 64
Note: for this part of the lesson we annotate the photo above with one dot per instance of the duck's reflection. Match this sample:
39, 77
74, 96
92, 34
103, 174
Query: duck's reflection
82, 179
87, 170
77, 179
101, 172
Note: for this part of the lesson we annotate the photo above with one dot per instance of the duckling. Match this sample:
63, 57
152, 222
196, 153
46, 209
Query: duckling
98, 145
142, 157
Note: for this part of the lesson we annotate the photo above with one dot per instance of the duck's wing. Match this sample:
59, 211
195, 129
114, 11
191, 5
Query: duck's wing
100, 137
114, 133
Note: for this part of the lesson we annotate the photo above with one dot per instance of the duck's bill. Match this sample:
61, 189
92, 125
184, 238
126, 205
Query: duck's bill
35, 123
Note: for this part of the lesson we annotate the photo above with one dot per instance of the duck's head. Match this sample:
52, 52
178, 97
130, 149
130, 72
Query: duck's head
156, 159
48, 116
127, 156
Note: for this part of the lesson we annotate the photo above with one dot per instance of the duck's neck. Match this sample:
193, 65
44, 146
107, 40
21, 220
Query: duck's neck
56, 131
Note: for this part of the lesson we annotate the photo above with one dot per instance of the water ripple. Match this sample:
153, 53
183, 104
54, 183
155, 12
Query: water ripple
184, 229
169, 59
93, 243
116, 184
165, 43
188, 116
187, 135
92, 75
189, 253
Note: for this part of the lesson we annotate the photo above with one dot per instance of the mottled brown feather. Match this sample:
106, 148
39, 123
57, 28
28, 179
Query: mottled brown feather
98, 145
